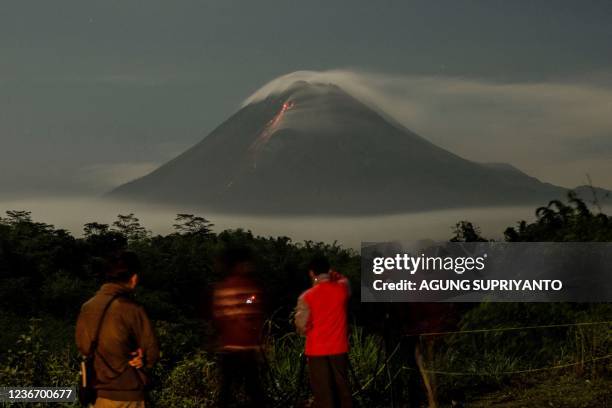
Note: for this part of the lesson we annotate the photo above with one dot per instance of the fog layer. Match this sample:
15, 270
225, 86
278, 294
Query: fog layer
71, 213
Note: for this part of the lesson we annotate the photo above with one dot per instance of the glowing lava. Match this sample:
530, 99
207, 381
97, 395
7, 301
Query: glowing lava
269, 130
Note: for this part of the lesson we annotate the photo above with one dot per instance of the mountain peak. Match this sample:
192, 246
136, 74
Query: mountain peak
301, 91
307, 146
311, 86
298, 81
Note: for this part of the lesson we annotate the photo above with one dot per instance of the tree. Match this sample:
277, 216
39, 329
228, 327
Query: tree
101, 240
465, 231
189, 224
95, 228
129, 226
17, 217
569, 222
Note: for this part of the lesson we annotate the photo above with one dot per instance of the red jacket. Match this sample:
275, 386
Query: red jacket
321, 316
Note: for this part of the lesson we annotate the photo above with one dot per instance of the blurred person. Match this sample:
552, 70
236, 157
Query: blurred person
321, 315
126, 345
238, 317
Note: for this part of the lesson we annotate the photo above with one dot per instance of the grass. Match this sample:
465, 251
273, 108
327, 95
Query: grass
545, 391
188, 376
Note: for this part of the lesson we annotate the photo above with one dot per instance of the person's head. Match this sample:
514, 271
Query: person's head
236, 260
124, 268
319, 264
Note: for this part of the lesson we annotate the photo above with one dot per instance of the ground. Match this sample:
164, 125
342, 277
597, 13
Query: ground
563, 392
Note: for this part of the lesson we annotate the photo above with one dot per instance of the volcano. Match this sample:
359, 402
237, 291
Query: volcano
315, 149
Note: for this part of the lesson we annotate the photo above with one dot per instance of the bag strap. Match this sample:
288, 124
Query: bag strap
94, 342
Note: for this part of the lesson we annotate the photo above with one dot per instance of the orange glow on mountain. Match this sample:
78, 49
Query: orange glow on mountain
269, 130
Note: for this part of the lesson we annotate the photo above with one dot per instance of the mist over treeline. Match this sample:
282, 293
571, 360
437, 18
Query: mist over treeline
71, 213
59, 270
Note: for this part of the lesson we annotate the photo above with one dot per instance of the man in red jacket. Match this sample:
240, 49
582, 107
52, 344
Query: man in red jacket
321, 317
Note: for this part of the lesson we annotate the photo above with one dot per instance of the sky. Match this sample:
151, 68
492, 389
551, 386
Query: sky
93, 94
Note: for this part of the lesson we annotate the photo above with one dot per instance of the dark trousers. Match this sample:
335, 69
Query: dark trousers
241, 368
329, 381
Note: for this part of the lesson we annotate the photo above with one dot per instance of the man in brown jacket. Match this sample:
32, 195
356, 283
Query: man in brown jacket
127, 345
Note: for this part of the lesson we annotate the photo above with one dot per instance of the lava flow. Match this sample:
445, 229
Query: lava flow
270, 128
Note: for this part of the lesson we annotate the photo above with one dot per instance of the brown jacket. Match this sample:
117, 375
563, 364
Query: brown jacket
126, 328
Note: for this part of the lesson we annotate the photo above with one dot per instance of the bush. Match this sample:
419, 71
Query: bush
193, 382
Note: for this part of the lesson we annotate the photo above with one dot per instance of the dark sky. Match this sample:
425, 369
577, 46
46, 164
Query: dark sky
94, 92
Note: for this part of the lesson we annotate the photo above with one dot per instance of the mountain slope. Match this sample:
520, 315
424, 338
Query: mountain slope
315, 149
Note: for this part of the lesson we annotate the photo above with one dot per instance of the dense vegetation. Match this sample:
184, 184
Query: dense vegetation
46, 273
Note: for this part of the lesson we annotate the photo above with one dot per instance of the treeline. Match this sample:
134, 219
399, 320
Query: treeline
49, 271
